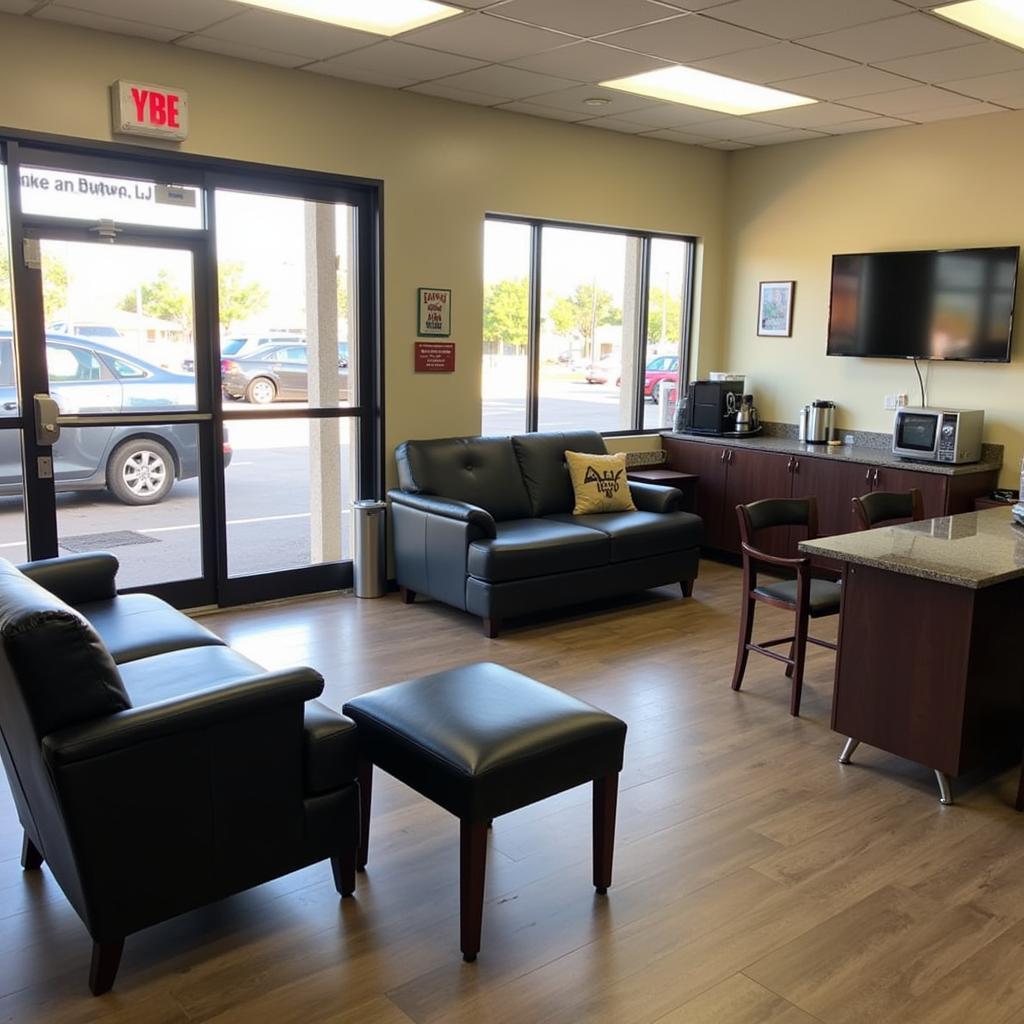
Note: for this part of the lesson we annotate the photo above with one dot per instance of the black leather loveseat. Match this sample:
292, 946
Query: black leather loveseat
153, 768
486, 524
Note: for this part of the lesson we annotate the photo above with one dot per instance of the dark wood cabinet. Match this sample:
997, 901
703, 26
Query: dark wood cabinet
732, 475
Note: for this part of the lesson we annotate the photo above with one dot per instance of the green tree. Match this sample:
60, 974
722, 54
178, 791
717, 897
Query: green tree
581, 313
55, 284
507, 312
161, 298
663, 316
240, 298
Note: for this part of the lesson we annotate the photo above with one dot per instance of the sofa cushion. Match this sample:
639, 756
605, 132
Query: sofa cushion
642, 534
599, 483
536, 547
140, 625
542, 462
330, 748
178, 673
64, 673
482, 471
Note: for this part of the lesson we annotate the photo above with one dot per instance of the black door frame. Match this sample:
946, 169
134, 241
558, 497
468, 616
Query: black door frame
18, 148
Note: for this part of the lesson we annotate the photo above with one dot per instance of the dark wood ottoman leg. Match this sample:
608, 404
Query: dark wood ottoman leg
106, 958
344, 867
31, 858
472, 864
606, 794
365, 774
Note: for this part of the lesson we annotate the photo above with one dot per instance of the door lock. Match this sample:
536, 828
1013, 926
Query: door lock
47, 427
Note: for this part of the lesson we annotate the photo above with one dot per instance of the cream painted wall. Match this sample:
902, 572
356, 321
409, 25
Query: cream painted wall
945, 184
444, 165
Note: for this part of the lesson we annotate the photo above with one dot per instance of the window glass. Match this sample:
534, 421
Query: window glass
126, 370
504, 378
589, 307
71, 364
669, 274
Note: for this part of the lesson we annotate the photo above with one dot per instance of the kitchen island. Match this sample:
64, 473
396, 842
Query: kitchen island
928, 659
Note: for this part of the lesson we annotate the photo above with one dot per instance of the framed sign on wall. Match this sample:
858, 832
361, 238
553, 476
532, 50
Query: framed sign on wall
775, 309
434, 311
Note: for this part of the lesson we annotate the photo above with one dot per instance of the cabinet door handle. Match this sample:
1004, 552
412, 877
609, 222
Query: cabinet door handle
789, 465
876, 476
731, 453
725, 451
796, 466
867, 477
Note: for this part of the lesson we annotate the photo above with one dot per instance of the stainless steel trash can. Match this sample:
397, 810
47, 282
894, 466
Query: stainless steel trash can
368, 568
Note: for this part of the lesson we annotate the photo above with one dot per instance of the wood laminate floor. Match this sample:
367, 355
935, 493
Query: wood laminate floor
756, 880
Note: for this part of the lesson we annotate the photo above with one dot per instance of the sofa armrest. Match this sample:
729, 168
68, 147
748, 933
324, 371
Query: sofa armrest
76, 579
448, 508
655, 498
231, 701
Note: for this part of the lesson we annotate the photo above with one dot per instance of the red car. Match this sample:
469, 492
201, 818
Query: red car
658, 369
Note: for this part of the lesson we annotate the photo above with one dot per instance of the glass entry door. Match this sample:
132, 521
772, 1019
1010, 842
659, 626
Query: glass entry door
118, 350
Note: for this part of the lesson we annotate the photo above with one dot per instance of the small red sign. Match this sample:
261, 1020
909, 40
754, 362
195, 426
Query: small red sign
153, 110
435, 356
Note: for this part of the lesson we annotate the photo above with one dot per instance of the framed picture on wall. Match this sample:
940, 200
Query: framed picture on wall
434, 312
775, 309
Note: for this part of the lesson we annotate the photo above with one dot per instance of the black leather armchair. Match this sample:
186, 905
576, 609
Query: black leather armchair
486, 524
169, 774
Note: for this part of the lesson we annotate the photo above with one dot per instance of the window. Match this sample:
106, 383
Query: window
126, 370
71, 364
584, 328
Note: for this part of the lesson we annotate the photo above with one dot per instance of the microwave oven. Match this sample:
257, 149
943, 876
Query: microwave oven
938, 435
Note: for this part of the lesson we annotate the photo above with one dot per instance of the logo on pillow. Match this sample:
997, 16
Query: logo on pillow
608, 482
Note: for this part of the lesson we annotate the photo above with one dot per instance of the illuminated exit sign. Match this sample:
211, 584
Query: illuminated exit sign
155, 111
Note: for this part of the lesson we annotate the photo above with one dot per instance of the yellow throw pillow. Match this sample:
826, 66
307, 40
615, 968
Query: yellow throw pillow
599, 482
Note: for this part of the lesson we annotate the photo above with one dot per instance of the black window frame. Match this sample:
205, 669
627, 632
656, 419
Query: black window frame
639, 338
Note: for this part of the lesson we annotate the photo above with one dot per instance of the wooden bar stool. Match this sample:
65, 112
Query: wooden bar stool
806, 597
880, 508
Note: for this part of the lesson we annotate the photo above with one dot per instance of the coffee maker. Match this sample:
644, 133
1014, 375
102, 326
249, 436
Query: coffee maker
712, 406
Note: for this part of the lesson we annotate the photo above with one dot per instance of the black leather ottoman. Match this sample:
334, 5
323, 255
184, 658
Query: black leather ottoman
480, 741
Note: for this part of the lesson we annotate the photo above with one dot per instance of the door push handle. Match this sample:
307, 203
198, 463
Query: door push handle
47, 427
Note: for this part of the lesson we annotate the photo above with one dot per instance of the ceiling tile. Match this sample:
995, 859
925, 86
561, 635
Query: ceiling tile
813, 116
615, 124
769, 63
727, 144
781, 138
671, 115
459, 95
837, 85
969, 108
733, 128
486, 38
287, 34
790, 19
688, 38
894, 37
243, 52
986, 58
186, 15
576, 99
902, 101
535, 110
414, 63
990, 87
672, 135
328, 67
585, 17
867, 124
102, 23
508, 83
589, 62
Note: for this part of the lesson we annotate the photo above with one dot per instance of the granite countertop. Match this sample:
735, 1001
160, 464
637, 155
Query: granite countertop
977, 549
861, 454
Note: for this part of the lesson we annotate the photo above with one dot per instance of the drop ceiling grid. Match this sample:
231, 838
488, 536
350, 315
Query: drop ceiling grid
872, 64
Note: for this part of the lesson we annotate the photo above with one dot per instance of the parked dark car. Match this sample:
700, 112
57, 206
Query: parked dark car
277, 372
137, 464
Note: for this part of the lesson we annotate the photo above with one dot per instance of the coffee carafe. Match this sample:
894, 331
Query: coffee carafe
747, 419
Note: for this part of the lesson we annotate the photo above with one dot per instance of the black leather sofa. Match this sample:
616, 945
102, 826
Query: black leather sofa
154, 769
486, 524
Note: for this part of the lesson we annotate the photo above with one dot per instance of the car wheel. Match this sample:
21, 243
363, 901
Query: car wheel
261, 391
140, 472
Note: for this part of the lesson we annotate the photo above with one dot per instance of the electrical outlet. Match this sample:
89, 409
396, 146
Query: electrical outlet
890, 401
901, 400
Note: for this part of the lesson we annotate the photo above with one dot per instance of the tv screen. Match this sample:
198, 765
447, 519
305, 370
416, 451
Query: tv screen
953, 304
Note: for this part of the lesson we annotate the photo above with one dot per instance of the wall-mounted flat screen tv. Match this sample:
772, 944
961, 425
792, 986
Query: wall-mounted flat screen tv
948, 304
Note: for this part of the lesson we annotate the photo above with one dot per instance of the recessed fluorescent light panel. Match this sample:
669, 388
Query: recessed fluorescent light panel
384, 17
703, 89
1003, 19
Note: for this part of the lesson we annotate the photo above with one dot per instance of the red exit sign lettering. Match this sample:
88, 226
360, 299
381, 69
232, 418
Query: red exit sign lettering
155, 111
